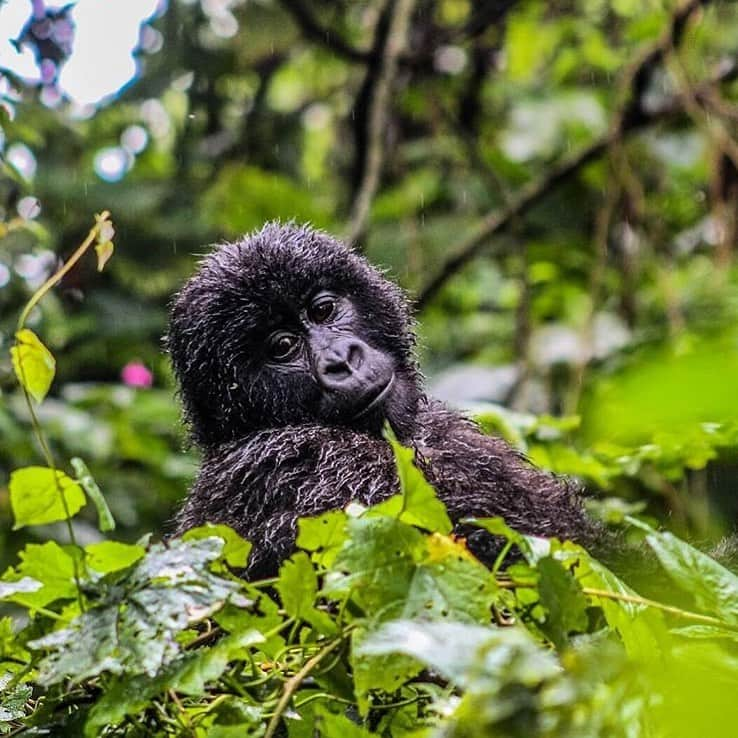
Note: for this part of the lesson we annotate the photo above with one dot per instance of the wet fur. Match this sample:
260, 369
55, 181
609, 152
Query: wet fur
266, 461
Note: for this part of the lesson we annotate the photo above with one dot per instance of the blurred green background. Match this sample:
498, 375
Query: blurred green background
556, 185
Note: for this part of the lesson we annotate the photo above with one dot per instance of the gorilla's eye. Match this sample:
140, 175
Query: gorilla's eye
322, 309
282, 345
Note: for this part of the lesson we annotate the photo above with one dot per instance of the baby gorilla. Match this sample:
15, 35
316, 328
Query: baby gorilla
291, 353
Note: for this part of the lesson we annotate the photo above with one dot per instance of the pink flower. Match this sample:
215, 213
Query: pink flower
135, 374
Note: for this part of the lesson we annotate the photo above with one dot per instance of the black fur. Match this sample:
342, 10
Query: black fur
269, 456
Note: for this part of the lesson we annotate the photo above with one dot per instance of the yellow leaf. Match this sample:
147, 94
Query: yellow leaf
104, 251
33, 363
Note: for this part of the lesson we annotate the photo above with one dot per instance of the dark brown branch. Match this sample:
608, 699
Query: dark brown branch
632, 115
379, 103
487, 14
498, 220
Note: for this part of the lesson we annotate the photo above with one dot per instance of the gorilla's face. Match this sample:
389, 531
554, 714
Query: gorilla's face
289, 327
321, 344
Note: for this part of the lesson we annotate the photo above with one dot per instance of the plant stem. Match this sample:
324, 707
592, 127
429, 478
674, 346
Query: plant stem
635, 600
35, 424
57, 276
678, 611
292, 684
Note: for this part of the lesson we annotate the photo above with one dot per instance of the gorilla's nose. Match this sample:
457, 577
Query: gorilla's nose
340, 365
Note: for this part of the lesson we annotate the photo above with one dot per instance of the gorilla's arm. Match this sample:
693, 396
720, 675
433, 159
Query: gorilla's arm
477, 475
261, 486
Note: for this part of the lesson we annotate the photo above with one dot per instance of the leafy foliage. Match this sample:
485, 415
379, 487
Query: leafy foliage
397, 632
386, 625
586, 152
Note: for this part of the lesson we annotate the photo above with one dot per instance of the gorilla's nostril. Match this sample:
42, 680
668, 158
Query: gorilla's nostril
355, 357
336, 367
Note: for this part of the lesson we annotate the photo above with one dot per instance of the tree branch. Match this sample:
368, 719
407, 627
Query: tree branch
379, 105
631, 116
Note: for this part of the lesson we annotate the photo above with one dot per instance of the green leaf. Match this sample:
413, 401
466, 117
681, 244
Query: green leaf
13, 700
640, 627
109, 556
49, 564
379, 560
124, 696
394, 571
378, 671
562, 598
330, 725
298, 589
714, 588
33, 363
133, 630
11, 644
207, 664
450, 583
461, 652
40, 495
263, 614
189, 674
236, 550
417, 504
106, 522
323, 536
26, 584
414, 193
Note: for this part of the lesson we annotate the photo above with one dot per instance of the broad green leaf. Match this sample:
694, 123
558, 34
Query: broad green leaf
133, 629
714, 588
529, 41
417, 504
12, 701
323, 536
450, 583
331, 725
106, 522
124, 696
108, 556
562, 598
40, 495
262, 614
271, 196
236, 550
459, 651
394, 571
189, 674
641, 628
49, 564
236, 717
298, 589
33, 363
207, 664
378, 671
379, 560
416, 191
11, 646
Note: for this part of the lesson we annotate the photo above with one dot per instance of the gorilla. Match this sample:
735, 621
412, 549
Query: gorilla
291, 353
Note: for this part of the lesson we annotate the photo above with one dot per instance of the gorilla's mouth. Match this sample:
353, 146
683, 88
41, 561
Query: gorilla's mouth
378, 399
